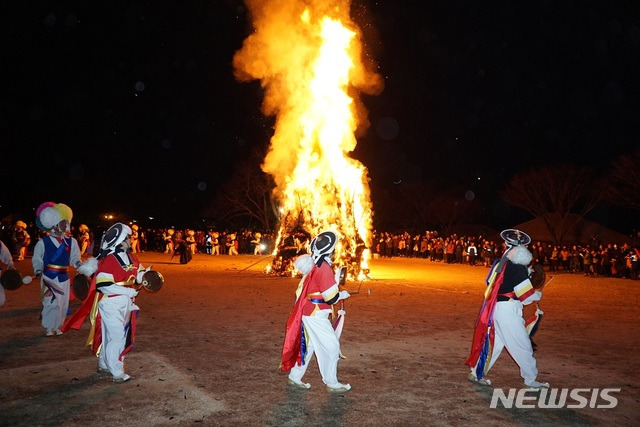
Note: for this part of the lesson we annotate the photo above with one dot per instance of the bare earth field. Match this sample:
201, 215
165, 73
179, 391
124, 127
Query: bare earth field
208, 348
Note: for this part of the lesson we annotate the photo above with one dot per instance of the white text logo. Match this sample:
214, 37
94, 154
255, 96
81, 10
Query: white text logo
575, 398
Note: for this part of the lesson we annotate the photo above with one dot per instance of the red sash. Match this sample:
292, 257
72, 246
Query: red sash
291, 351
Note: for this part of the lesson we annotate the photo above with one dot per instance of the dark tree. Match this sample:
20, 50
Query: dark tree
426, 206
623, 186
559, 195
246, 199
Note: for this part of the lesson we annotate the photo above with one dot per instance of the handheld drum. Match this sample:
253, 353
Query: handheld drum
80, 286
152, 280
11, 279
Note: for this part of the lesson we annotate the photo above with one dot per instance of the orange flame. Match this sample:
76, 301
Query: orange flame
308, 57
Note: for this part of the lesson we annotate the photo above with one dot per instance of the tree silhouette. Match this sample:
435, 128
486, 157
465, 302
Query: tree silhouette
424, 205
247, 196
623, 186
559, 195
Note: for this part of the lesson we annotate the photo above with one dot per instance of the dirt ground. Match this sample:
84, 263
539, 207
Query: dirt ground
209, 342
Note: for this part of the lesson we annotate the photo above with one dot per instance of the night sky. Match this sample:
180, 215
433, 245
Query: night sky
133, 107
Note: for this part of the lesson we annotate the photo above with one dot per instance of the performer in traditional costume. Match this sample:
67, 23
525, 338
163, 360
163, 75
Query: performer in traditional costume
257, 250
7, 259
110, 302
215, 243
52, 257
84, 238
135, 239
309, 329
232, 244
21, 239
181, 248
191, 241
167, 237
500, 323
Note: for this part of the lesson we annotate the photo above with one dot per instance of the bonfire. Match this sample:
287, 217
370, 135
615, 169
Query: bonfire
308, 57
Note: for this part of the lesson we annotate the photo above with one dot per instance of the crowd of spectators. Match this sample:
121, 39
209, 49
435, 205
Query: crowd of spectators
602, 260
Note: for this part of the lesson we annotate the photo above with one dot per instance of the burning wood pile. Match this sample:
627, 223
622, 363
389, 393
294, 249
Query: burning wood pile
309, 58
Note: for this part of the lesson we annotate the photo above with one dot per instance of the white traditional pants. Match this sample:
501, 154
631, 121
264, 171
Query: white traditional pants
115, 313
55, 306
510, 332
321, 339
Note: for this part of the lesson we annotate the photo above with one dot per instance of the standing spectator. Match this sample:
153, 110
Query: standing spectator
200, 241
472, 252
587, 259
565, 256
554, 258
634, 254
388, 244
574, 260
424, 247
605, 263
415, 247
402, 246
595, 263
487, 254
450, 251
208, 243
439, 250
459, 251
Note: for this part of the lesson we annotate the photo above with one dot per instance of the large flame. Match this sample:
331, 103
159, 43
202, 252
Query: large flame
308, 57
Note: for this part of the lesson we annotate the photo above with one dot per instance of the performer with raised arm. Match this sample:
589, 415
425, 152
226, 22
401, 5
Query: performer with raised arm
52, 257
112, 291
309, 329
500, 323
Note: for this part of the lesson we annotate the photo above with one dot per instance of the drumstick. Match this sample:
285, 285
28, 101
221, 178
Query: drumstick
28, 279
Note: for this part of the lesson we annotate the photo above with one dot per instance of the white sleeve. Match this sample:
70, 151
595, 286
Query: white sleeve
74, 258
118, 290
141, 271
5, 255
38, 256
532, 298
